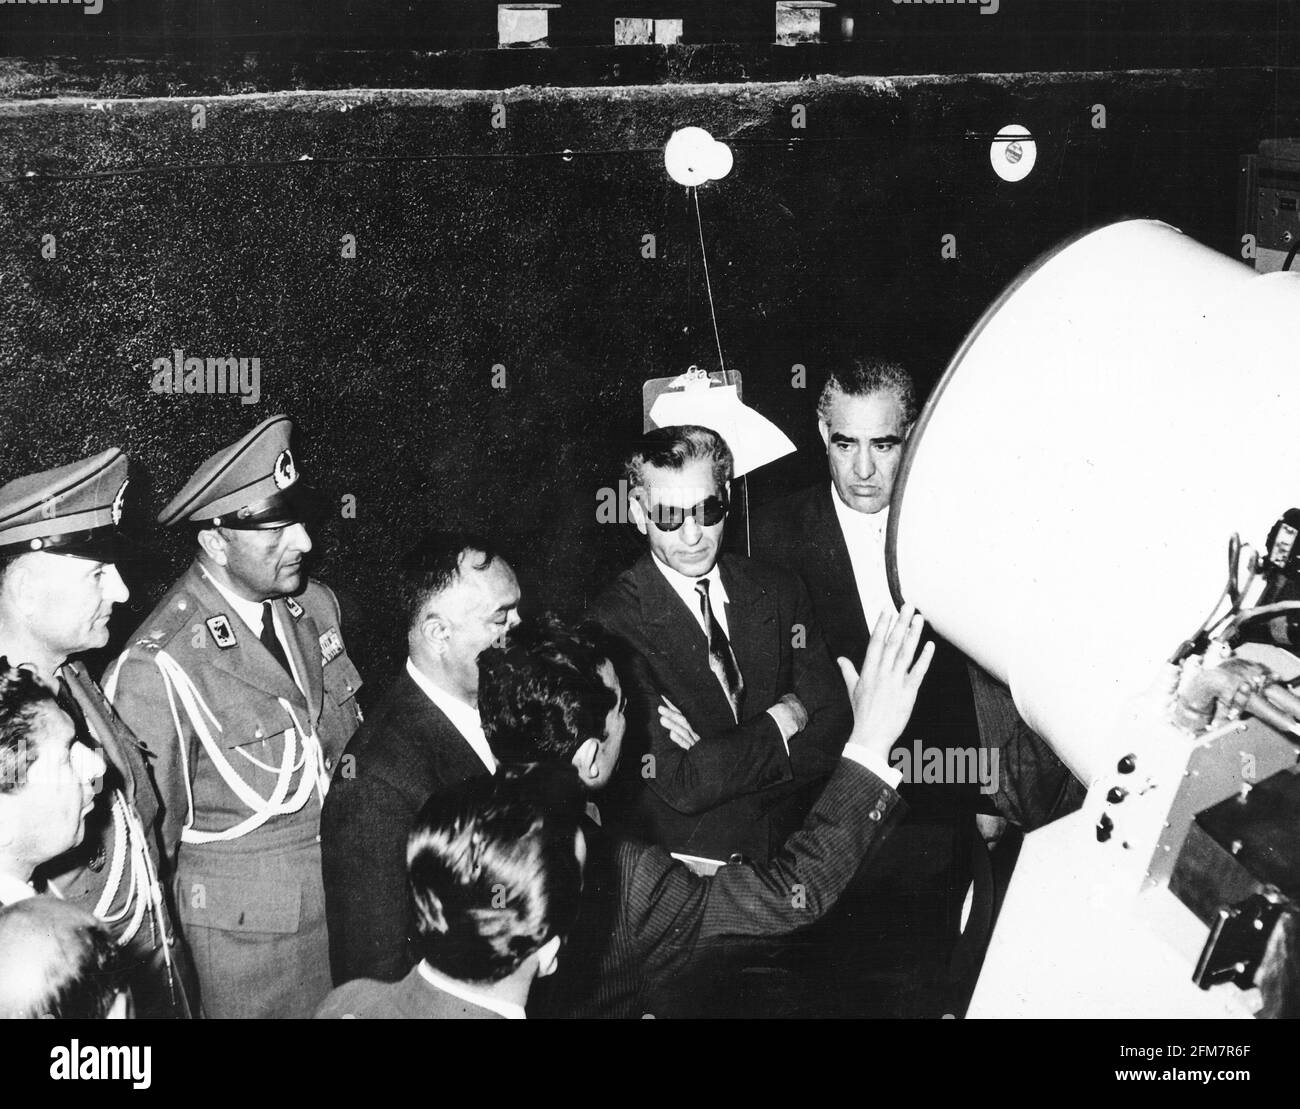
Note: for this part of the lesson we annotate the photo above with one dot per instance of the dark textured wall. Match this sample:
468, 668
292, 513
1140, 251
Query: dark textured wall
478, 247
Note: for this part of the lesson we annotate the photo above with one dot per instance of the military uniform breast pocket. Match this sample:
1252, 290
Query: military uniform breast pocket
255, 737
342, 679
253, 903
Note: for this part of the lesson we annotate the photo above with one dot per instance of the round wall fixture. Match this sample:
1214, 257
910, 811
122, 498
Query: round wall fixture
1013, 152
693, 156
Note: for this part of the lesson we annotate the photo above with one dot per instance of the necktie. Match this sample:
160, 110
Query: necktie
722, 661
270, 640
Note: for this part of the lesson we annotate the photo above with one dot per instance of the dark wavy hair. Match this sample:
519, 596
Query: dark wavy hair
21, 695
541, 694
78, 964
670, 448
493, 871
433, 564
860, 377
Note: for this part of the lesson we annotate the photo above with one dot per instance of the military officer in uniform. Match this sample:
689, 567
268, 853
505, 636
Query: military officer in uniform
240, 683
58, 585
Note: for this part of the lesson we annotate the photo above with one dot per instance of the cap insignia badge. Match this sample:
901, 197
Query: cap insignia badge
118, 501
285, 473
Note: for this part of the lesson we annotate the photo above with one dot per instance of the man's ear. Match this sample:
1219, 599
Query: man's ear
824, 430
548, 957
637, 513
18, 587
435, 631
586, 759
214, 545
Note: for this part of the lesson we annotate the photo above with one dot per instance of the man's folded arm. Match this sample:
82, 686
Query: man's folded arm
723, 765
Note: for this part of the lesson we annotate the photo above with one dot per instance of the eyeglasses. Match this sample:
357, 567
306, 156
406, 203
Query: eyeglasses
670, 517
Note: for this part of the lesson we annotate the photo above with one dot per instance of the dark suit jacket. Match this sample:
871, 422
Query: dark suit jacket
405, 752
735, 790
959, 705
648, 920
803, 534
410, 999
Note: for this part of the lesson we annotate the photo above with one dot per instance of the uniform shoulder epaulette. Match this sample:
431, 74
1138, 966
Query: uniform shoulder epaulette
319, 600
170, 618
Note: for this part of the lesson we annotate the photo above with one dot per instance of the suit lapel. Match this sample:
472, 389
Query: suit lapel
248, 661
751, 617
676, 635
432, 738
837, 566
663, 610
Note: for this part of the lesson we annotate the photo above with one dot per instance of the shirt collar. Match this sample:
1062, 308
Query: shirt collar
852, 522
13, 890
250, 612
464, 718
684, 587
466, 992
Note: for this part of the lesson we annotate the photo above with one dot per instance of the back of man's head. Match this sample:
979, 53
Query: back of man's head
671, 448
860, 377
541, 693
21, 696
434, 564
494, 868
56, 960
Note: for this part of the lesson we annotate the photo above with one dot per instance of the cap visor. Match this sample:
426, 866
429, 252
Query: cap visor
100, 548
296, 505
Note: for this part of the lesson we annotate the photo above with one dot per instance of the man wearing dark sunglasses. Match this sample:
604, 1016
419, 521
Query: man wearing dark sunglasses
736, 712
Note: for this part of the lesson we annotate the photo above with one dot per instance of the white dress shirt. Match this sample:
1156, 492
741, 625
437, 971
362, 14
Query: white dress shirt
466, 992
250, 612
864, 535
877, 764
464, 718
13, 890
684, 587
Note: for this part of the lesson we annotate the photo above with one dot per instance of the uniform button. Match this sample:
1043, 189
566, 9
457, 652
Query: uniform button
874, 814
182, 606
349, 686
329, 764
318, 838
258, 733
